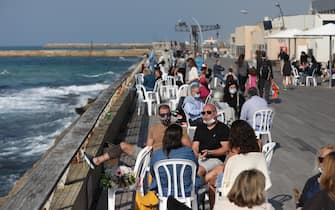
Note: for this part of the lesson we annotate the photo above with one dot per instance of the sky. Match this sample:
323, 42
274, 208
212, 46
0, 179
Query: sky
37, 22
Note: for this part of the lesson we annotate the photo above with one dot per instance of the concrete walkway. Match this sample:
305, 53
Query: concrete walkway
304, 121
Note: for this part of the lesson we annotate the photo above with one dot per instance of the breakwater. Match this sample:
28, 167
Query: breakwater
54, 53
100, 45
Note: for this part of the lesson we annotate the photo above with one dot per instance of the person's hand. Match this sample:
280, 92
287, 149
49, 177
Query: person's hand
203, 154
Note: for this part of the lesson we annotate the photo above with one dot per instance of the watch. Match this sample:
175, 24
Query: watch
209, 152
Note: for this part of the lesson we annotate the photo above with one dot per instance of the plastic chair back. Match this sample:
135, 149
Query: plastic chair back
175, 170
267, 150
262, 122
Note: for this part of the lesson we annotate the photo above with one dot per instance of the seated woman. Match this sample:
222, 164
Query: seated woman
245, 154
203, 88
173, 149
233, 97
247, 192
325, 198
312, 185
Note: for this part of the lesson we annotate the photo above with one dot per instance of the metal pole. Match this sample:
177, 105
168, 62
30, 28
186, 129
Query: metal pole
330, 61
201, 36
281, 14
295, 48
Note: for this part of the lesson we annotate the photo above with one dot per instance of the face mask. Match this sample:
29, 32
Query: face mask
320, 170
209, 122
166, 122
197, 95
232, 91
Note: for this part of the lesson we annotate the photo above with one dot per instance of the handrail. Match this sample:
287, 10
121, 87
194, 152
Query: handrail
42, 181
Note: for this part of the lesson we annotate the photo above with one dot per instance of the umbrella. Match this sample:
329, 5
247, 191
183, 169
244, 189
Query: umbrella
322, 31
287, 34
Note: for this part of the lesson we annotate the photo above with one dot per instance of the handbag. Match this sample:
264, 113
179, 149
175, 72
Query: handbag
148, 201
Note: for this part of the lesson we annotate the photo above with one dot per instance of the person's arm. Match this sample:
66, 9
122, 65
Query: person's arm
191, 109
195, 148
220, 151
243, 115
186, 141
150, 139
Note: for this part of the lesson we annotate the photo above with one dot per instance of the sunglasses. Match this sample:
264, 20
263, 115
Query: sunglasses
208, 112
321, 159
165, 114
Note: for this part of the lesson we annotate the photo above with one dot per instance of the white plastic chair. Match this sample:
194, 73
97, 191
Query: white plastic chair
184, 90
221, 117
140, 171
170, 81
139, 79
267, 150
175, 174
189, 127
295, 76
209, 97
262, 122
149, 97
312, 78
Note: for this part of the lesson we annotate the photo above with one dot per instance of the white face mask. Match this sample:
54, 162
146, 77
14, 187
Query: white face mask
320, 170
197, 95
209, 122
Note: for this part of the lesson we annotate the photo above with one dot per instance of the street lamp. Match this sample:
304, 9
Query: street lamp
201, 36
281, 14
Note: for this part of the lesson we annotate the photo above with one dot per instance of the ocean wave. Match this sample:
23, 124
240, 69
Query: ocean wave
98, 75
45, 98
4, 72
33, 145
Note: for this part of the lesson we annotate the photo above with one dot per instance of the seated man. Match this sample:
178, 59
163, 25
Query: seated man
193, 105
253, 104
210, 145
155, 139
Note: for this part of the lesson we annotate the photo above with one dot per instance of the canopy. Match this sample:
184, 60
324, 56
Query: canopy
287, 34
325, 30
322, 31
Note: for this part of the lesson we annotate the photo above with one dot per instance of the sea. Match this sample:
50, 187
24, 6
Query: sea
38, 97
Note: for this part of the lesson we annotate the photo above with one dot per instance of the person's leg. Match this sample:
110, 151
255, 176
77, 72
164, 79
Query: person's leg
112, 152
267, 85
261, 87
127, 148
201, 171
101, 159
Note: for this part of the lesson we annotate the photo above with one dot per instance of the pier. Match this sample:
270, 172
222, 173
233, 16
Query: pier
61, 180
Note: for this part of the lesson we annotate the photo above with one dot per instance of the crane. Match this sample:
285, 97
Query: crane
182, 26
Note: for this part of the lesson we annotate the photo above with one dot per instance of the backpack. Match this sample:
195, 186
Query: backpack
264, 71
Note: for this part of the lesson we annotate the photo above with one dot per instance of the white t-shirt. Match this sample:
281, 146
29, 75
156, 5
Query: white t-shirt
242, 162
192, 74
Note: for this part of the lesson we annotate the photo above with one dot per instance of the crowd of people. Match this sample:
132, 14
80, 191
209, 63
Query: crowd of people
229, 158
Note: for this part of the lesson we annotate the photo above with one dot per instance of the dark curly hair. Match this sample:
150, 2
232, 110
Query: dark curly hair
242, 136
172, 138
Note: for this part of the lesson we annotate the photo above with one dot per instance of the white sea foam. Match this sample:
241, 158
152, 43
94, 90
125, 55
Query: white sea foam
98, 75
43, 98
33, 145
4, 72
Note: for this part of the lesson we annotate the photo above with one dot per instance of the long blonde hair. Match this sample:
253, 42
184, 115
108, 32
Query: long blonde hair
329, 147
327, 178
248, 189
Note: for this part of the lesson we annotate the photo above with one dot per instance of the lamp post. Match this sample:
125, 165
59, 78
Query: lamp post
201, 36
281, 14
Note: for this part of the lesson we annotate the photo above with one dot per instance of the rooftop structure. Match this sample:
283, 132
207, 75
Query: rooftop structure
324, 6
